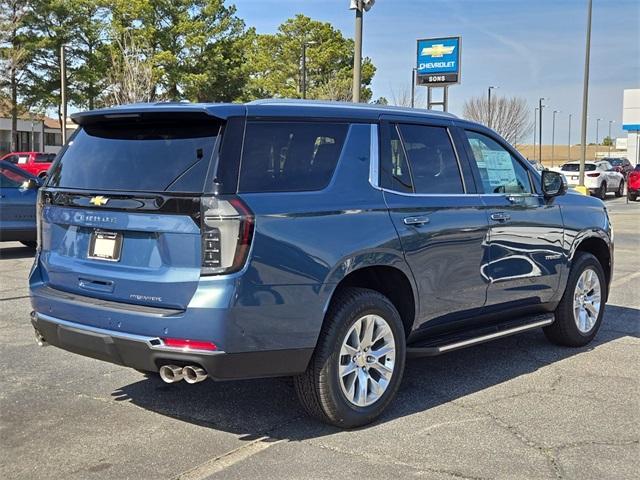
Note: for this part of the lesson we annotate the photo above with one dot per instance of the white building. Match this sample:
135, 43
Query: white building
37, 135
631, 123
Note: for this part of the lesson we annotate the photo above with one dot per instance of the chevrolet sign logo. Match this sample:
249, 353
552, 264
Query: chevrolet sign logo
98, 201
438, 50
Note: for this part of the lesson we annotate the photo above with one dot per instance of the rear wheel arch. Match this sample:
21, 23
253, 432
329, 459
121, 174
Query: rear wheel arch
392, 282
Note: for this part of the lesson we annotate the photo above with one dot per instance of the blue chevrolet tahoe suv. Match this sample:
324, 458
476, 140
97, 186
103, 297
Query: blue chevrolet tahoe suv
322, 241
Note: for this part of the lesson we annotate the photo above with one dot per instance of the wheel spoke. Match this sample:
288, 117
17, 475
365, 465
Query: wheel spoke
367, 335
348, 368
383, 370
383, 351
363, 387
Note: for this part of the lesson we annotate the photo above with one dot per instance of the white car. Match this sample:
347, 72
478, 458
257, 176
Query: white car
599, 177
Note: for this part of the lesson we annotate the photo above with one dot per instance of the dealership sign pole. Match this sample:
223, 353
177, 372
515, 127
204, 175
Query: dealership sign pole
438, 65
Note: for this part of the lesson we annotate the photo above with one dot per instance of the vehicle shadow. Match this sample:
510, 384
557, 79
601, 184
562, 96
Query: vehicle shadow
16, 252
268, 407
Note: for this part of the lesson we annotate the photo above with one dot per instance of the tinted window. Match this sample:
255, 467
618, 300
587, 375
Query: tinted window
12, 159
395, 166
137, 157
290, 156
575, 167
434, 167
10, 178
45, 157
499, 171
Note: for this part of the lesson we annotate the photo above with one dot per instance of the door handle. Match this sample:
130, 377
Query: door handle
500, 216
415, 220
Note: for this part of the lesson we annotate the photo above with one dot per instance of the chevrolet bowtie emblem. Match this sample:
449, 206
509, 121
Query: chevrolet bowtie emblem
98, 201
438, 50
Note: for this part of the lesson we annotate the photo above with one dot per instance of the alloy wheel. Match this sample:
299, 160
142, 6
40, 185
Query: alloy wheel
367, 360
587, 299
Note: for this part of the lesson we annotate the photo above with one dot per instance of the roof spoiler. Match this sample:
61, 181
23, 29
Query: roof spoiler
175, 111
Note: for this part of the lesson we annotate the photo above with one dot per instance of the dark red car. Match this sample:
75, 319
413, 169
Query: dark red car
633, 185
36, 163
621, 165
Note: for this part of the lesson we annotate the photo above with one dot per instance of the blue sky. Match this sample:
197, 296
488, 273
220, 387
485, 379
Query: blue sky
529, 48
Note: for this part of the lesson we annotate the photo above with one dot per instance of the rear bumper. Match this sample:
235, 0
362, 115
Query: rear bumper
149, 353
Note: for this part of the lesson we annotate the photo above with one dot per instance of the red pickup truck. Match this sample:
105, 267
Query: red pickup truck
36, 163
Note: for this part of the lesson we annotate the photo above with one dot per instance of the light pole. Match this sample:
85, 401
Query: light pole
535, 130
569, 141
540, 107
553, 137
413, 87
63, 95
585, 99
489, 105
610, 139
360, 6
597, 137
304, 66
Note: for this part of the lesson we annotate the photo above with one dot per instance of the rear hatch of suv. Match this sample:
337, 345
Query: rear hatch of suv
123, 216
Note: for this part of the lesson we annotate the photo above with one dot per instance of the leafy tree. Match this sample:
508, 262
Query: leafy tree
14, 56
276, 63
194, 46
607, 141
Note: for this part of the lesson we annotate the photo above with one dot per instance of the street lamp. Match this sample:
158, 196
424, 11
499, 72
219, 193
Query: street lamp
304, 66
414, 71
489, 105
597, 137
610, 139
569, 141
553, 136
535, 129
540, 107
360, 6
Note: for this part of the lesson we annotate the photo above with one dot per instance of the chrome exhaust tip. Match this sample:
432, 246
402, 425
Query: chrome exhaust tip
193, 374
170, 373
40, 339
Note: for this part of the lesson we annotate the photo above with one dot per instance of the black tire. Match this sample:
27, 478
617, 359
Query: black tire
633, 196
319, 387
602, 191
30, 244
564, 331
620, 190
42, 175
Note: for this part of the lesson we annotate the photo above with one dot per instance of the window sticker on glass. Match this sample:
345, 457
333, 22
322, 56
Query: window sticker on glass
499, 167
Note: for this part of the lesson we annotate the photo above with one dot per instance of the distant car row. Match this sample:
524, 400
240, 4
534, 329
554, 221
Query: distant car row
18, 195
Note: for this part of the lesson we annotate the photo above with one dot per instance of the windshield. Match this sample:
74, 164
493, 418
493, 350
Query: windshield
575, 167
150, 157
616, 162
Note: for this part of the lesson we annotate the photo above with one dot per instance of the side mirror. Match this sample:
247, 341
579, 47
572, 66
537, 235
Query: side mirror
30, 184
553, 184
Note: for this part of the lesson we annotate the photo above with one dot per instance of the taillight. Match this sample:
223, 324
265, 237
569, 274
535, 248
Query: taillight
39, 207
597, 174
227, 231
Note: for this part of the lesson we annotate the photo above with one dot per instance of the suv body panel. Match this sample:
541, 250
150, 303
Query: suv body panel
269, 314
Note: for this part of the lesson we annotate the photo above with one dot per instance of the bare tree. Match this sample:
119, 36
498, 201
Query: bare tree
510, 117
13, 56
131, 74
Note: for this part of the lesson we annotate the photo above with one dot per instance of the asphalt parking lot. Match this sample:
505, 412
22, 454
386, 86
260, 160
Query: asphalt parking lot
515, 408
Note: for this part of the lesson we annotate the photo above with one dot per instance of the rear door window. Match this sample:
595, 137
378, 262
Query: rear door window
433, 162
151, 157
290, 156
45, 157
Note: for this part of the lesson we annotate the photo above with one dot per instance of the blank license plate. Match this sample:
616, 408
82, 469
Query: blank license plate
574, 177
105, 246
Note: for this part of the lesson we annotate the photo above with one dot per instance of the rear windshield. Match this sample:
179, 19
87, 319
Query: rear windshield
151, 157
290, 156
575, 167
616, 162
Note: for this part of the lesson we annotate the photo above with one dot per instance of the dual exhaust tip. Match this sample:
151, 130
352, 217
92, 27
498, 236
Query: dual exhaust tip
191, 374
